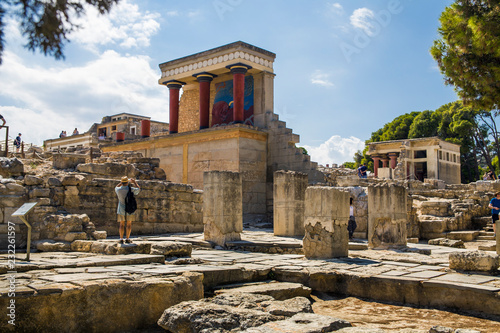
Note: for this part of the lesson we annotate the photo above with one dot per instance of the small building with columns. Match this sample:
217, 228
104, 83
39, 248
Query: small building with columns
221, 118
422, 158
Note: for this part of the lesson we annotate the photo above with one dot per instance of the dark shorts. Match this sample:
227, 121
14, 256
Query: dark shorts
494, 217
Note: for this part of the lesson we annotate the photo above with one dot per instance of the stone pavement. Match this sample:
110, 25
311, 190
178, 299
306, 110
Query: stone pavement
419, 275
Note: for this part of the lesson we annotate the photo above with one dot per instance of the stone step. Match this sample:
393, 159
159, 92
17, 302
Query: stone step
487, 247
466, 235
486, 233
486, 238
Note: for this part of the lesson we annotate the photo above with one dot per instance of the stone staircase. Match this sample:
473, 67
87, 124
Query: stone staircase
283, 153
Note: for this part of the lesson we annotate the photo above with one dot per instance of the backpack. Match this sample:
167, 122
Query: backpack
130, 202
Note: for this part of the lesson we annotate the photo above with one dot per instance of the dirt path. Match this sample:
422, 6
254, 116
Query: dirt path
362, 313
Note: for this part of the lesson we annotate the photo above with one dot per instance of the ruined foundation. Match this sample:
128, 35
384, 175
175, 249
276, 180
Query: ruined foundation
388, 216
289, 195
326, 218
222, 206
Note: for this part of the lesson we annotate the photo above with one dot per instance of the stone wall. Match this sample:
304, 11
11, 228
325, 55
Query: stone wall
162, 206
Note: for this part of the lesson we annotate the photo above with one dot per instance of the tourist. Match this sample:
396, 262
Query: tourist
351, 226
75, 132
17, 142
2, 119
121, 191
495, 209
62, 135
362, 171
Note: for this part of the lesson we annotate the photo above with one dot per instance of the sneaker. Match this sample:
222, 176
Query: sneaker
128, 241
121, 241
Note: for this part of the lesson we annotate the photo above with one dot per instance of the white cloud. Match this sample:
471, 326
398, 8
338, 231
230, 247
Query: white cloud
360, 19
335, 8
336, 150
125, 25
49, 100
321, 79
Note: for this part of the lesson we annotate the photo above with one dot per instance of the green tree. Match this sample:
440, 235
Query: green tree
468, 51
46, 23
424, 125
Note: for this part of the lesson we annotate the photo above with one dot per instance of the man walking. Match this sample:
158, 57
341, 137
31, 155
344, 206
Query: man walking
121, 191
17, 143
362, 171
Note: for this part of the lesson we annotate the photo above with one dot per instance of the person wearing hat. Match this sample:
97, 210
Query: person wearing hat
17, 142
121, 191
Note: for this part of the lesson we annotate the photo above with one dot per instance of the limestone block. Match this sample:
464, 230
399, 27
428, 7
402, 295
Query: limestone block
109, 169
447, 242
71, 236
197, 316
222, 206
39, 192
73, 180
387, 215
11, 167
15, 188
325, 218
53, 246
31, 180
306, 322
99, 234
474, 261
433, 226
289, 200
71, 196
67, 161
171, 249
54, 182
81, 245
278, 290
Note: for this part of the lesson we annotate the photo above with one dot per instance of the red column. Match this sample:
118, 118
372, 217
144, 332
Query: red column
204, 79
376, 160
173, 88
385, 162
394, 162
238, 71
145, 128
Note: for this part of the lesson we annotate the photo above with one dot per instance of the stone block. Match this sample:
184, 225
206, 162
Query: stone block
326, 217
222, 206
67, 161
387, 216
447, 242
171, 249
39, 192
31, 180
11, 167
99, 234
54, 182
81, 245
474, 261
289, 200
73, 180
53, 246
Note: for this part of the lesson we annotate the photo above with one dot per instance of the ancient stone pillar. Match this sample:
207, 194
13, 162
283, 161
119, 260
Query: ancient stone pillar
385, 161
376, 159
222, 206
173, 89
394, 160
387, 216
238, 70
325, 218
289, 195
204, 79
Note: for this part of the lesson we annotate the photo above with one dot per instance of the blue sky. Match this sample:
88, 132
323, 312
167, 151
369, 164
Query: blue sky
343, 68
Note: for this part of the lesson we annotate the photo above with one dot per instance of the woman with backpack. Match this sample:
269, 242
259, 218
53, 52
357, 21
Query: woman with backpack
126, 190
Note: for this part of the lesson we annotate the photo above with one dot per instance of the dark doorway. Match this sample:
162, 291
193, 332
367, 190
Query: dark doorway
421, 170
